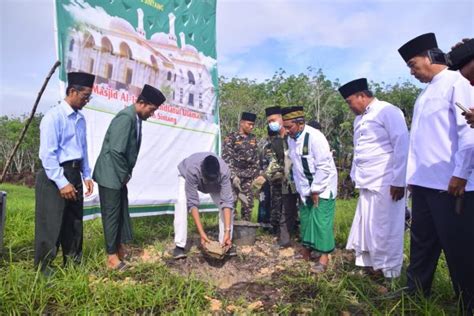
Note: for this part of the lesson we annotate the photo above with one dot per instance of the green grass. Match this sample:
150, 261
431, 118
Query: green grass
152, 288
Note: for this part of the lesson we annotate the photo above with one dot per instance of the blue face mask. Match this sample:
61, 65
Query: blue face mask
274, 126
298, 134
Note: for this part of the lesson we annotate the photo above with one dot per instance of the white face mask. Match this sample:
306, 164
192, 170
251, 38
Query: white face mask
274, 126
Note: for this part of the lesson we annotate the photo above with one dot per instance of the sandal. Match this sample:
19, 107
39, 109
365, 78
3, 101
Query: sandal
318, 268
122, 266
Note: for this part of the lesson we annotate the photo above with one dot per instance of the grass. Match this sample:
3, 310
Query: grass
152, 288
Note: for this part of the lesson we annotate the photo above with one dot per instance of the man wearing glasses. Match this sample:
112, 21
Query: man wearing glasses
59, 188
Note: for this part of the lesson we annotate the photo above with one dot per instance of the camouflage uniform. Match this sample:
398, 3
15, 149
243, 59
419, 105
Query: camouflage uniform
240, 152
283, 189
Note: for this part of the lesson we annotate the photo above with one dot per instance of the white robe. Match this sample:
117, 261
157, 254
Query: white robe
377, 231
380, 155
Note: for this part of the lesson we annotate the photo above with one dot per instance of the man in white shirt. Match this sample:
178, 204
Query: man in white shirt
378, 170
439, 173
315, 177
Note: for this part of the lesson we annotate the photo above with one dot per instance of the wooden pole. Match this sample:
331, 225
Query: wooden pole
32, 114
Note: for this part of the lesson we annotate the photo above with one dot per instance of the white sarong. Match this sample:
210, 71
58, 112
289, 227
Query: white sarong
377, 231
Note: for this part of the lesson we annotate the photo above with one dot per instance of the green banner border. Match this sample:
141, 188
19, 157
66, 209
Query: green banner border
159, 208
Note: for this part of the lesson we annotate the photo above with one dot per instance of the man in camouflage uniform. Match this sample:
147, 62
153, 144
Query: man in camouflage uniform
240, 152
278, 172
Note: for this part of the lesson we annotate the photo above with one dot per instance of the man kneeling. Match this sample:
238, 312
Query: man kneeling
206, 173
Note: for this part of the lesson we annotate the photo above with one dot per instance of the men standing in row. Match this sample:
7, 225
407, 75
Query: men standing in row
315, 177
439, 174
59, 190
203, 172
378, 170
240, 152
283, 190
113, 170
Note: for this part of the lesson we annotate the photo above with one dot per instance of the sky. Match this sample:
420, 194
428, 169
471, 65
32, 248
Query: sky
255, 38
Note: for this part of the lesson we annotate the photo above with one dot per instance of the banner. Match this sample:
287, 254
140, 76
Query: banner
169, 44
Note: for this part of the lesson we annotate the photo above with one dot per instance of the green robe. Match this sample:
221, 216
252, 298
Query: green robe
112, 171
119, 151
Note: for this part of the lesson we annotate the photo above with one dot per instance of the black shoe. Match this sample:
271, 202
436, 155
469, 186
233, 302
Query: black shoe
179, 253
232, 251
397, 294
48, 272
285, 245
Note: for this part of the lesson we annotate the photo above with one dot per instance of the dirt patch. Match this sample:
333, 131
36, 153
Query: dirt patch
253, 263
260, 277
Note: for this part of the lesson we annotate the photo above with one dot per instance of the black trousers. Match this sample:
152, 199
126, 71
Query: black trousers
264, 205
436, 227
115, 218
58, 222
288, 218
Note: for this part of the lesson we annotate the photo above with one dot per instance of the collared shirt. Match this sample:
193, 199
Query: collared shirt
63, 138
320, 162
380, 146
190, 169
441, 143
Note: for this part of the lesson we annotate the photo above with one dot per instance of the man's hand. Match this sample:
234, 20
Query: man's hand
469, 117
68, 192
89, 186
397, 193
315, 198
456, 186
236, 183
227, 243
464, 40
257, 183
204, 239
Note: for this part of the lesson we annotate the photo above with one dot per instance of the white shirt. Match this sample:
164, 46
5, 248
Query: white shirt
441, 143
320, 162
380, 147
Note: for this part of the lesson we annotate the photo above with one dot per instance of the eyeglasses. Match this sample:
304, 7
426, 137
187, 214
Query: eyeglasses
85, 97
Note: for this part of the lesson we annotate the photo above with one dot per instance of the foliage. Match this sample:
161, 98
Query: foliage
26, 158
321, 100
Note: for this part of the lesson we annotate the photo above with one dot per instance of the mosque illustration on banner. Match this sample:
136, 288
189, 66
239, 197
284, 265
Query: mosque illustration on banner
123, 59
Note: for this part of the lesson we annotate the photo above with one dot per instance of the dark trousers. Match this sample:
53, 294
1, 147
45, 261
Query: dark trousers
436, 227
264, 205
115, 218
58, 222
288, 218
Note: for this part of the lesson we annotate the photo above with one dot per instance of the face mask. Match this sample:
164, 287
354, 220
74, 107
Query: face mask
274, 126
298, 134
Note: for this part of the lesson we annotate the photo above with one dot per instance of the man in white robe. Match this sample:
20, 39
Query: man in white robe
378, 170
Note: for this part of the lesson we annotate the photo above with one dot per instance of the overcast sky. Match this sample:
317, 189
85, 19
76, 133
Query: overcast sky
347, 39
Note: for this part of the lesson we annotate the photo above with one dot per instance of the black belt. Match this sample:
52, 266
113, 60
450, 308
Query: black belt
76, 164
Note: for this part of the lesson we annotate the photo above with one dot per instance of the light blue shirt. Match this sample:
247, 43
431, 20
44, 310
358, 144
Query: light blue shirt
63, 138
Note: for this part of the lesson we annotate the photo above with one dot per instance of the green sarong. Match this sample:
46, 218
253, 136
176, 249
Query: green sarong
317, 225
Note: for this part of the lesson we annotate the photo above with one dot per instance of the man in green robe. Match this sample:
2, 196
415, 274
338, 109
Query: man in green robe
113, 170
